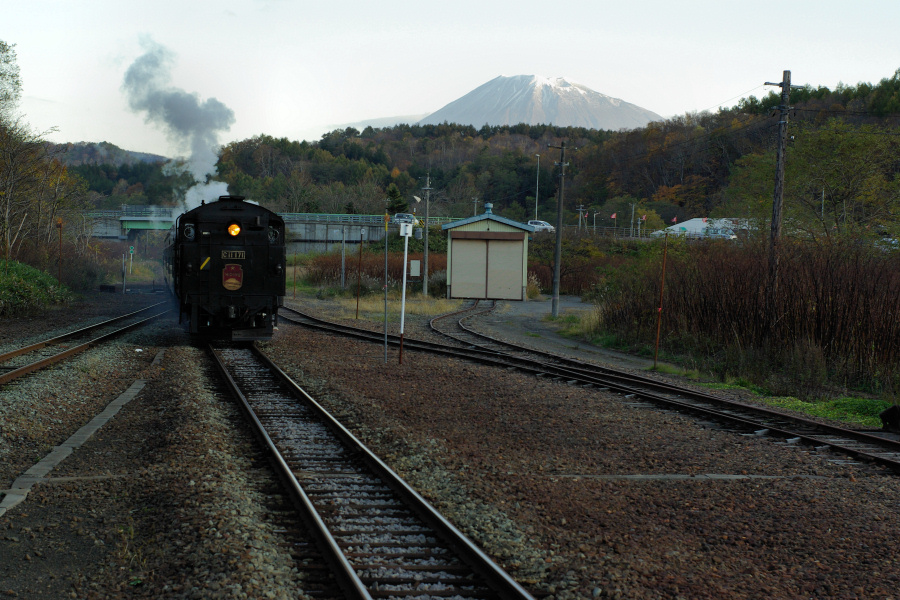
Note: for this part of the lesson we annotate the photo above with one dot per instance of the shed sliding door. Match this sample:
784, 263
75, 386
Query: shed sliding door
469, 262
504, 260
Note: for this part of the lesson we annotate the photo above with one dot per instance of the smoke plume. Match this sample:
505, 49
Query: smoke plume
193, 125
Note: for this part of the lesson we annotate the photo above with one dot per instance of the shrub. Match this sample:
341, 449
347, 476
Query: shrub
532, 287
324, 270
835, 323
24, 289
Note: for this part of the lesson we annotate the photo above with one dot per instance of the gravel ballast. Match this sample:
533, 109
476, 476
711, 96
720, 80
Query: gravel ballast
577, 493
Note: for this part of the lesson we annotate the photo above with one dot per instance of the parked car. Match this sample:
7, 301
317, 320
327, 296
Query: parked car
542, 226
406, 218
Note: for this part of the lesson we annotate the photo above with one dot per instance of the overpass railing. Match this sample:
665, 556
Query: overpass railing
352, 219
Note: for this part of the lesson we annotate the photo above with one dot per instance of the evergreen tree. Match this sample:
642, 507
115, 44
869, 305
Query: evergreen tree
396, 203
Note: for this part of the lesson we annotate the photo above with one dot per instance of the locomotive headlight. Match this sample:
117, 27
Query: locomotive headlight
234, 229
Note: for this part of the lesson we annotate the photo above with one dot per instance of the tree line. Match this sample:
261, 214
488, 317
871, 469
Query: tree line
37, 193
841, 169
841, 177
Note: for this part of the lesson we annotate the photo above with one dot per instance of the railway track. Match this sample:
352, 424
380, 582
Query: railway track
464, 351
451, 326
380, 538
869, 447
27, 359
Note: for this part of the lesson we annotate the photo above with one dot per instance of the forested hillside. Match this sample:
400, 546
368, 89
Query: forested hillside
111, 185
841, 165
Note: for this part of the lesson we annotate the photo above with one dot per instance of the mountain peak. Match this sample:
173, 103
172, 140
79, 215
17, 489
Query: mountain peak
533, 99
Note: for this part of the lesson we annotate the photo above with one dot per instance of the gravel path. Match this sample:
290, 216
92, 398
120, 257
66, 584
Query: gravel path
578, 493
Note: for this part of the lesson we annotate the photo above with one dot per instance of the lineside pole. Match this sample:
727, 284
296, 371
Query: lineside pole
405, 231
557, 253
359, 271
387, 219
662, 285
59, 225
777, 203
427, 189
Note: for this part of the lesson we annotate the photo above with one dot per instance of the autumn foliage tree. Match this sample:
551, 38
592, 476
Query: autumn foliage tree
37, 193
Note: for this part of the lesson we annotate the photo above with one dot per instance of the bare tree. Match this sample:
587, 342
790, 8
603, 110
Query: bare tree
10, 83
35, 189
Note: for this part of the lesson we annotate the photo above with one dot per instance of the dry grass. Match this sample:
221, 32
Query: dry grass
371, 307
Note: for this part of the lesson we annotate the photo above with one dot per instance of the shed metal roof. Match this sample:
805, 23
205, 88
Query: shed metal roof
488, 215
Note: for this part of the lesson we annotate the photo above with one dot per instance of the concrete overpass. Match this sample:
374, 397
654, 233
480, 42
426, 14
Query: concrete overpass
126, 223
305, 232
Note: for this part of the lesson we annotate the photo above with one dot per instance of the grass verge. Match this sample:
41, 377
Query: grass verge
849, 410
24, 288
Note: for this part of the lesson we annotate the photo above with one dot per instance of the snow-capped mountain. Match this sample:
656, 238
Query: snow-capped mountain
535, 100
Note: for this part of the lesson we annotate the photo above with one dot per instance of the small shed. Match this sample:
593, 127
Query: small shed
487, 257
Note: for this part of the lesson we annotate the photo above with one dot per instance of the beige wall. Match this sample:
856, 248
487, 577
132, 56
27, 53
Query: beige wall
487, 268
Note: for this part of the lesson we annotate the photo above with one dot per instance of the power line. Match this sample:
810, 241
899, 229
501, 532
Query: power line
731, 99
754, 120
855, 113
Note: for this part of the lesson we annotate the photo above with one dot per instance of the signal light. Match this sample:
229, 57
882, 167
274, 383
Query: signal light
234, 229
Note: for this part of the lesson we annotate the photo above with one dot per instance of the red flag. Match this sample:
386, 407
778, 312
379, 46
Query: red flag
674, 219
613, 216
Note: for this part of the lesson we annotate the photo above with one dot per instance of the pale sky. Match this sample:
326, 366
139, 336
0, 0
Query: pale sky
299, 68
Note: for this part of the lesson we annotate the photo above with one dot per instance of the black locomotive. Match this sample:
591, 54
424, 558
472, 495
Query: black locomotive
226, 267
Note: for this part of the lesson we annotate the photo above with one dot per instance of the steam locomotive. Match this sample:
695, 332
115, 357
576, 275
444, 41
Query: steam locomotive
226, 267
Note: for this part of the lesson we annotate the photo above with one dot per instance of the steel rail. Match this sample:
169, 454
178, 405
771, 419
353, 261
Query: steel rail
498, 580
652, 390
307, 320
573, 366
481, 563
344, 572
30, 368
66, 336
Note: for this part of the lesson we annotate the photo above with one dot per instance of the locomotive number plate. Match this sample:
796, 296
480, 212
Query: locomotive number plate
234, 254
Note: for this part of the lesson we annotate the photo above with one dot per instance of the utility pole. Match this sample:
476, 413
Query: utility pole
632, 219
475, 201
557, 253
427, 190
343, 260
778, 200
537, 186
59, 225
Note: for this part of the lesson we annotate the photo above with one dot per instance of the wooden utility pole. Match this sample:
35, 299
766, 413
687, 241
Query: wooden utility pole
662, 288
778, 201
427, 189
557, 253
59, 224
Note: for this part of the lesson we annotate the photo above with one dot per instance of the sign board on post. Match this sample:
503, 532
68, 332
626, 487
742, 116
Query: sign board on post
405, 231
415, 269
